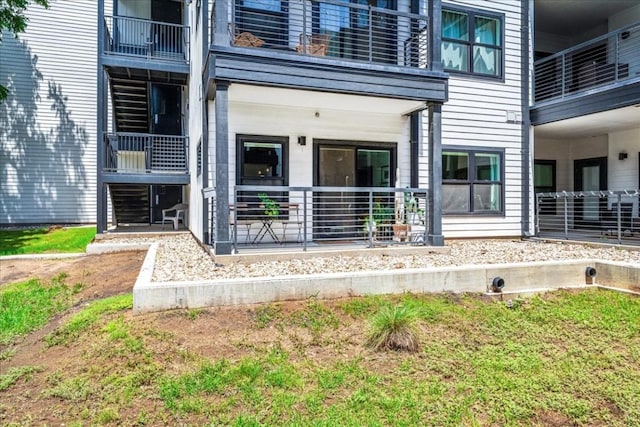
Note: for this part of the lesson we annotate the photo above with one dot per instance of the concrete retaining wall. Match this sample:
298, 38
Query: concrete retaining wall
519, 278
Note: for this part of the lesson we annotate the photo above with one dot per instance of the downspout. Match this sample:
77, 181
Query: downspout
205, 123
525, 32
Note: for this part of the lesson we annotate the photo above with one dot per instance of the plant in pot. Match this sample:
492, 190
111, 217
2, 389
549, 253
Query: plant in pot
381, 214
406, 214
271, 207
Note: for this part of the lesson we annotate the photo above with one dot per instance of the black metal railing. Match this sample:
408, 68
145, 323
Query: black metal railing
330, 28
607, 59
602, 216
148, 39
142, 153
269, 215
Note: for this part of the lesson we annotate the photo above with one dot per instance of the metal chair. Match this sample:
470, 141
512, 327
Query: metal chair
294, 218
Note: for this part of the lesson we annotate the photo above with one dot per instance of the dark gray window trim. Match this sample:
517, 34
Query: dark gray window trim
284, 140
473, 149
490, 14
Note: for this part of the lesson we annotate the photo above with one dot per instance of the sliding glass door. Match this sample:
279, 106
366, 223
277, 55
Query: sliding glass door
340, 213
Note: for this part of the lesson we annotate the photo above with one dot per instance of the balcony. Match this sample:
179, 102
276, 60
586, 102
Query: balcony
142, 154
150, 40
602, 63
346, 31
326, 45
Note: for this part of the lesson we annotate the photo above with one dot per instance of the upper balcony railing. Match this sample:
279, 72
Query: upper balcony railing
127, 152
142, 38
330, 28
608, 59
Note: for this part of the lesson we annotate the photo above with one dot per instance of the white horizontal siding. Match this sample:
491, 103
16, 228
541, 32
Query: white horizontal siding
476, 116
48, 124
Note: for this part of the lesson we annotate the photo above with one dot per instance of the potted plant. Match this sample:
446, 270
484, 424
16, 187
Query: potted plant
271, 207
380, 215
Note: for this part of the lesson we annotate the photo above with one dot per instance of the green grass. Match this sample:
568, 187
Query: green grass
43, 240
571, 357
14, 374
27, 306
88, 316
559, 359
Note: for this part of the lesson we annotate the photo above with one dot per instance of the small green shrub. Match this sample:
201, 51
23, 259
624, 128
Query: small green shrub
394, 328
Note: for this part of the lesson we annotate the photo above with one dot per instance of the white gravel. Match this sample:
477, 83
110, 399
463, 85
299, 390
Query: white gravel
180, 258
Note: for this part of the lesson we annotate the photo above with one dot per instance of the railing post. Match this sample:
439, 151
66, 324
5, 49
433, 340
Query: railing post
304, 27
538, 214
566, 217
370, 34
235, 221
618, 218
370, 222
304, 220
564, 75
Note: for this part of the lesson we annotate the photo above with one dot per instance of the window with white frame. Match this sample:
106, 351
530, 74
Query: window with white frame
472, 181
472, 42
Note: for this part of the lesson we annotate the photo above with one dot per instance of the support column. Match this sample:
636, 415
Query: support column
222, 244
435, 34
435, 237
101, 126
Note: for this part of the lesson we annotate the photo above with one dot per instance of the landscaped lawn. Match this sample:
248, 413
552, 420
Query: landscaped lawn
566, 358
45, 240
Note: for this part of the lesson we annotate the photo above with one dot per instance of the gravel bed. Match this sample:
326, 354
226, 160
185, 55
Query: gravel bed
180, 258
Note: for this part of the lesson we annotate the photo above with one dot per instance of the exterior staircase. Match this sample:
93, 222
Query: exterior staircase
130, 105
130, 203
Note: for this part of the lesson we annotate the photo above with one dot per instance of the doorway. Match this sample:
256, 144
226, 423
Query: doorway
340, 214
166, 111
590, 175
163, 197
167, 40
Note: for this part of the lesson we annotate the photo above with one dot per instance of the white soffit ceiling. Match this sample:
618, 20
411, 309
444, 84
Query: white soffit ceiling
592, 125
319, 100
570, 17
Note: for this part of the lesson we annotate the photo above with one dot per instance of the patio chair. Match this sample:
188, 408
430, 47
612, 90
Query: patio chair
313, 44
239, 219
174, 214
294, 218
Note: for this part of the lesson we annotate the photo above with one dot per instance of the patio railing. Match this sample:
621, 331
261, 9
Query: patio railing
146, 39
607, 59
303, 216
330, 28
143, 153
602, 216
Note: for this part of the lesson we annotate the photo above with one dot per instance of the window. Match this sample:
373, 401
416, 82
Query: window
544, 176
472, 182
472, 42
261, 160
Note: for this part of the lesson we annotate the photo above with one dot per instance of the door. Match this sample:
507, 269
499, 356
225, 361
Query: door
166, 112
163, 197
340, 214
335, 213
167, 39
590, 175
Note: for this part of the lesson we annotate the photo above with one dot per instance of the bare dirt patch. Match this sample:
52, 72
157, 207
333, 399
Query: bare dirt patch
101, 275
